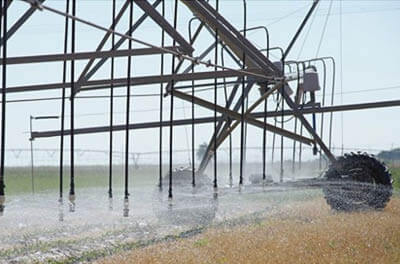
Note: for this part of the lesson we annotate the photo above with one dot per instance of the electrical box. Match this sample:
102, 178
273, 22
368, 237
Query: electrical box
310, 82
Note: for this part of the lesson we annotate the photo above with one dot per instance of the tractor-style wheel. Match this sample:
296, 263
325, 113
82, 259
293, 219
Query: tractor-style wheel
357, 181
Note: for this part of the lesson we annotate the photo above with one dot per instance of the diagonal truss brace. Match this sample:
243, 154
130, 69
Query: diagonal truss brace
163, 23
237, 116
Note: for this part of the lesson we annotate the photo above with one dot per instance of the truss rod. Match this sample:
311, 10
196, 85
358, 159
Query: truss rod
179, 55
121, 82
84, 55
225, 133
237, 116
149, 10
206, 157
101, 44
204, 120
14, 28
86, 74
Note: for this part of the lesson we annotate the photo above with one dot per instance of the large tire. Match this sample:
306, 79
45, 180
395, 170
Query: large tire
357, 181
193, 206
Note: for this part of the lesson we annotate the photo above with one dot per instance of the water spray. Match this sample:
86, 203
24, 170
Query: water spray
60, 209
110, 204
2, 201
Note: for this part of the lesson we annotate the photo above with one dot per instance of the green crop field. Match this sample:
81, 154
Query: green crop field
19, 179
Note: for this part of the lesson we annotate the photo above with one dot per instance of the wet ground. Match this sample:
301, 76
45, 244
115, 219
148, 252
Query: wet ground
37, 228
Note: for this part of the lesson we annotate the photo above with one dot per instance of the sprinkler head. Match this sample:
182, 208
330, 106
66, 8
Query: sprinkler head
126, 207
110, 203
215, 193
170, 204
60, 210
72, 203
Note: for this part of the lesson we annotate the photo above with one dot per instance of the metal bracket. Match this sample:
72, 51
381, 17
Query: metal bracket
36, 4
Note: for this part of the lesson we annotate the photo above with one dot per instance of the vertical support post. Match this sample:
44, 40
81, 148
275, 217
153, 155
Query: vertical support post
110, 172
31, 143
3, 106
128, 102
61, 166
161, 102
72, 161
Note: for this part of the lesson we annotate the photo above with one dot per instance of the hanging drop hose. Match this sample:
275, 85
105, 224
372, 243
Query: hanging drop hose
128, 105
193, 135
161, 101
322, 114
171, 127
295, 119
110, 194
72, 143
243, 101
3, 106
282, 119
64, 80
228, 121
332, 101
264, 154
192, 108
215, 102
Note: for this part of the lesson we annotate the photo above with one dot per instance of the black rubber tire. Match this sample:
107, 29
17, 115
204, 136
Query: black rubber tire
357, 181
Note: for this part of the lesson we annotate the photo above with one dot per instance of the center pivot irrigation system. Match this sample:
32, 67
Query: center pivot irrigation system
352, 181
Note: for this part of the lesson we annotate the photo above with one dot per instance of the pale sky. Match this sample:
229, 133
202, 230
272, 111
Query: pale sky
371, 36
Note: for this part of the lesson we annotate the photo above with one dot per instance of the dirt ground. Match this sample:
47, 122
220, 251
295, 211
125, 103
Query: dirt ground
304, 232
